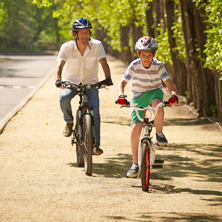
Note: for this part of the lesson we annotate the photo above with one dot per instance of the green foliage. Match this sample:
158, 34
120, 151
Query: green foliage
163, 52
43, 3
23, 26
213, 109
214, 32
106, 15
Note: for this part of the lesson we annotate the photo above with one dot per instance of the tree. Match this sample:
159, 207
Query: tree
188, 33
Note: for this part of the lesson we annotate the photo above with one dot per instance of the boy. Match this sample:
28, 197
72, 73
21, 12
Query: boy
146, 73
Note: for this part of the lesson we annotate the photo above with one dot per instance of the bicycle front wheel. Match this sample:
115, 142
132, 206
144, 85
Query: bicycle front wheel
88, 141
145, 166
79, 148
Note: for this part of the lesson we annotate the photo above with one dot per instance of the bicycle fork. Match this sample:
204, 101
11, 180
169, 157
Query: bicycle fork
80, 125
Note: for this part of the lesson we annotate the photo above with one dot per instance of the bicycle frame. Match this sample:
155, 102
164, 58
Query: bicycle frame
146, 149
147, 129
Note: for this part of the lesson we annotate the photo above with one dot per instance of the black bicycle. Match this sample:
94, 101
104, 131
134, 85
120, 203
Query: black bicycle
84, 130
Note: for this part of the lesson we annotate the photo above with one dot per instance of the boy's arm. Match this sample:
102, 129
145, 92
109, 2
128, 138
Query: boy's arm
173, 91
171, 87
122, 98
121, 87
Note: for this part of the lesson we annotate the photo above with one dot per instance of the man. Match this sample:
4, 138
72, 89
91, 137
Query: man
80, 58
146, 73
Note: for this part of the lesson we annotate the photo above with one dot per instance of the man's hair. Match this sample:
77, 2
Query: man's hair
78, 31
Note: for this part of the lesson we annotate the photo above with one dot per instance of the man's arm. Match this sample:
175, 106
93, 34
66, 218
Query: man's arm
58, 75
105, 67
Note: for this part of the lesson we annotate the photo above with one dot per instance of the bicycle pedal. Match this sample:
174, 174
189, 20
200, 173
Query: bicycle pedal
159, 161
160, 145
72, 142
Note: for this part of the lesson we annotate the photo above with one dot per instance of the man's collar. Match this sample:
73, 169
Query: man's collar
89, 44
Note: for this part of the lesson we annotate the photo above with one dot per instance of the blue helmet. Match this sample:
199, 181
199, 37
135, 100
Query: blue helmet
81, 23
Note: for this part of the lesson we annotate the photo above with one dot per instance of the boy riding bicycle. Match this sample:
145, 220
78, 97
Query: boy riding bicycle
146, 73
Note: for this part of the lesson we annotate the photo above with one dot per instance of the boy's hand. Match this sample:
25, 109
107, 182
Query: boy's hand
121, 100
173, 100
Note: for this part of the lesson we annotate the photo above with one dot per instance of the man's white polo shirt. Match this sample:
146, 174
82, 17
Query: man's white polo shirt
80, 68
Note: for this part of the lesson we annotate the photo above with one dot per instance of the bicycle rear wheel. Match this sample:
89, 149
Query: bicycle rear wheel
88, 141
145, 166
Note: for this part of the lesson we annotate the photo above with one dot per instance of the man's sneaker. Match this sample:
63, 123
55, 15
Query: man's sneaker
68, 129
133, 171
97, 151
161, 139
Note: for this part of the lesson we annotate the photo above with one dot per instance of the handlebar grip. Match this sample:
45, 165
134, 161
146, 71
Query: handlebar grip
167, 104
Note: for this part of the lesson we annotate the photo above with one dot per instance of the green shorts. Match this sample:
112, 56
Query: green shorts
143, 101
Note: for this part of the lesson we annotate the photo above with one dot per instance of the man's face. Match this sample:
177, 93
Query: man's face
146, 58
83, 36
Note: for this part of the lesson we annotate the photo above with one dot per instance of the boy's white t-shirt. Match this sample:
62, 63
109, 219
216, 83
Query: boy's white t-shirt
143, 79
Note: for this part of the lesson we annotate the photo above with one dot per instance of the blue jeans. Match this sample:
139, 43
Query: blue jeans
66, 95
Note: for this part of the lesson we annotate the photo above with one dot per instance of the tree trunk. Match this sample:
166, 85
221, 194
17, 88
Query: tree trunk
218, 94
125, 48
157, 10
190, 86
150, 20
192, 54
136, 33
179, 78
208, 87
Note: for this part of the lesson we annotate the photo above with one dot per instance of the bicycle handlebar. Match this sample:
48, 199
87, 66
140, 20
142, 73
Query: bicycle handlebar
149, 108
81, 86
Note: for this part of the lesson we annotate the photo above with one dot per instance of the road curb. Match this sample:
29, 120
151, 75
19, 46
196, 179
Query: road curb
23, 102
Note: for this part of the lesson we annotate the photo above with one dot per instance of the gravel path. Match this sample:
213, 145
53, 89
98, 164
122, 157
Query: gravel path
40, 180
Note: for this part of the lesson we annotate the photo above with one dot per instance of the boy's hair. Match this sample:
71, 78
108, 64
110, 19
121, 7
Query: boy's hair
145, 51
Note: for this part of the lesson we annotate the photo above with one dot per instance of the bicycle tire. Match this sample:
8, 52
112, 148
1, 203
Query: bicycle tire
88, 141
145, 166
79, 148
79, 155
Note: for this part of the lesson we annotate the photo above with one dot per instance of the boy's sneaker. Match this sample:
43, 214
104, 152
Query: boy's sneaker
133, 171
161, 139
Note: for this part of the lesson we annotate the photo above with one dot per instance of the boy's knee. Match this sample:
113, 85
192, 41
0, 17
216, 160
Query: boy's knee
136, 129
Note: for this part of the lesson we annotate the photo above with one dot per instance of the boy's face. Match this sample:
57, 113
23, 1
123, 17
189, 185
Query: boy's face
146, 58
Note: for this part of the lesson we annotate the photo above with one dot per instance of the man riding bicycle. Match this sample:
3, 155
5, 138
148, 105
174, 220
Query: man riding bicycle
147, 74
79, 58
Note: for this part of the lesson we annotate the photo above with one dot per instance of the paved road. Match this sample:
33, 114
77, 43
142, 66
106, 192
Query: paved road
20, 77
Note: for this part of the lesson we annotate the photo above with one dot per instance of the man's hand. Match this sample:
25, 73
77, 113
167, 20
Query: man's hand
173, 100
108, 81
58, 83
122, 100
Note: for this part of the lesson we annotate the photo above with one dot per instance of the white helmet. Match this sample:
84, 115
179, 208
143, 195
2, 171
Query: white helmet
146, 43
